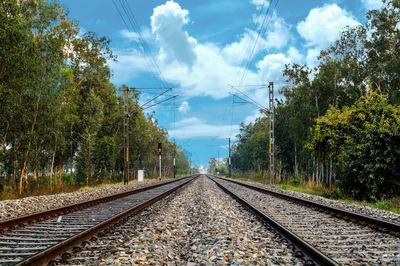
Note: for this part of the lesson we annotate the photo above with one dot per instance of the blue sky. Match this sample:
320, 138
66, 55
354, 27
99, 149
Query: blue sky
200, 47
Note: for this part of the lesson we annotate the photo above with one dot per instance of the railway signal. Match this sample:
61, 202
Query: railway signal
159, 149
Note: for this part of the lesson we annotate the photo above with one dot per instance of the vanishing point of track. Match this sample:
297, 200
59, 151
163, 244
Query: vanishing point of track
39, 238
320, 234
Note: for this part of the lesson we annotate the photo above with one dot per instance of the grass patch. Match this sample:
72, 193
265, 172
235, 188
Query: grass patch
392, 205
319, 191
10, 192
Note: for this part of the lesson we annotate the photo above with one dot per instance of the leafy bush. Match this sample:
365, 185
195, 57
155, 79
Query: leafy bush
364, 141
295, 180
68, 178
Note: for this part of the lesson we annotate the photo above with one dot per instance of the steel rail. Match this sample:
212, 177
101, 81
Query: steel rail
356, 217
313, 255
44, 215
48, 254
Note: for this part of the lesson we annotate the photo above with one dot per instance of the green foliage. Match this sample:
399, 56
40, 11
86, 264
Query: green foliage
105, 153
69, 178
364, 140
295, 180
58, 107
251, 151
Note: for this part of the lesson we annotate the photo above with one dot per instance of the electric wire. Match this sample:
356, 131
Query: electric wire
242, 64
248, 97
156, 97
252, 58
137, 29
252, 103
157, 103
255, 42
138, 44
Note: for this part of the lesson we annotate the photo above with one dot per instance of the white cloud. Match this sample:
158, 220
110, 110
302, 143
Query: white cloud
200, 69
276, 37
295, 56
312, 56
129, 64
195, 128
209, 76
184, 107
252, 118
260, 3
145, 35
372, 4
187, 122
322, 27
167, 24
271, 66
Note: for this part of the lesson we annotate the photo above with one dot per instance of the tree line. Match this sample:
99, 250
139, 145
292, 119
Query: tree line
339, 122
60, 115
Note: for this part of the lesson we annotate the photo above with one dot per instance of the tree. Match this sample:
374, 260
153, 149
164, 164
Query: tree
104, 158
91, 119
364, 142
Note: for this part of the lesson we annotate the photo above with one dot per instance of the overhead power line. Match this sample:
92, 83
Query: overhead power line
170, 98
260, 29
260, 34
156, 97
247, 101
248, 49
132, 26
254, 102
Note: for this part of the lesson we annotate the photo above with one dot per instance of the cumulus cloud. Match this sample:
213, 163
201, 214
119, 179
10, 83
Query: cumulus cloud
322, 27
184, 107
294, 55
195, 128
199, 68
130, 64
276, 37
271, 66
167, 24
372, 4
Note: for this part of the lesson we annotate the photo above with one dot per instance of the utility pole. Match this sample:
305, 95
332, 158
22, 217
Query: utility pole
271, 134
126, 137
229, 158
159, 158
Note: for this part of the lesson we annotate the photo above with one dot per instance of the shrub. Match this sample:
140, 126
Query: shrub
364, 141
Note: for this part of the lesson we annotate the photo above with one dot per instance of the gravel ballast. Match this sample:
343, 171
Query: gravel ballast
346, 242
198, 225
19, 207
377, 213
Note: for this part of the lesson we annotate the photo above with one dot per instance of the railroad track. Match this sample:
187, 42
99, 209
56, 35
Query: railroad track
39, 238
321, 234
